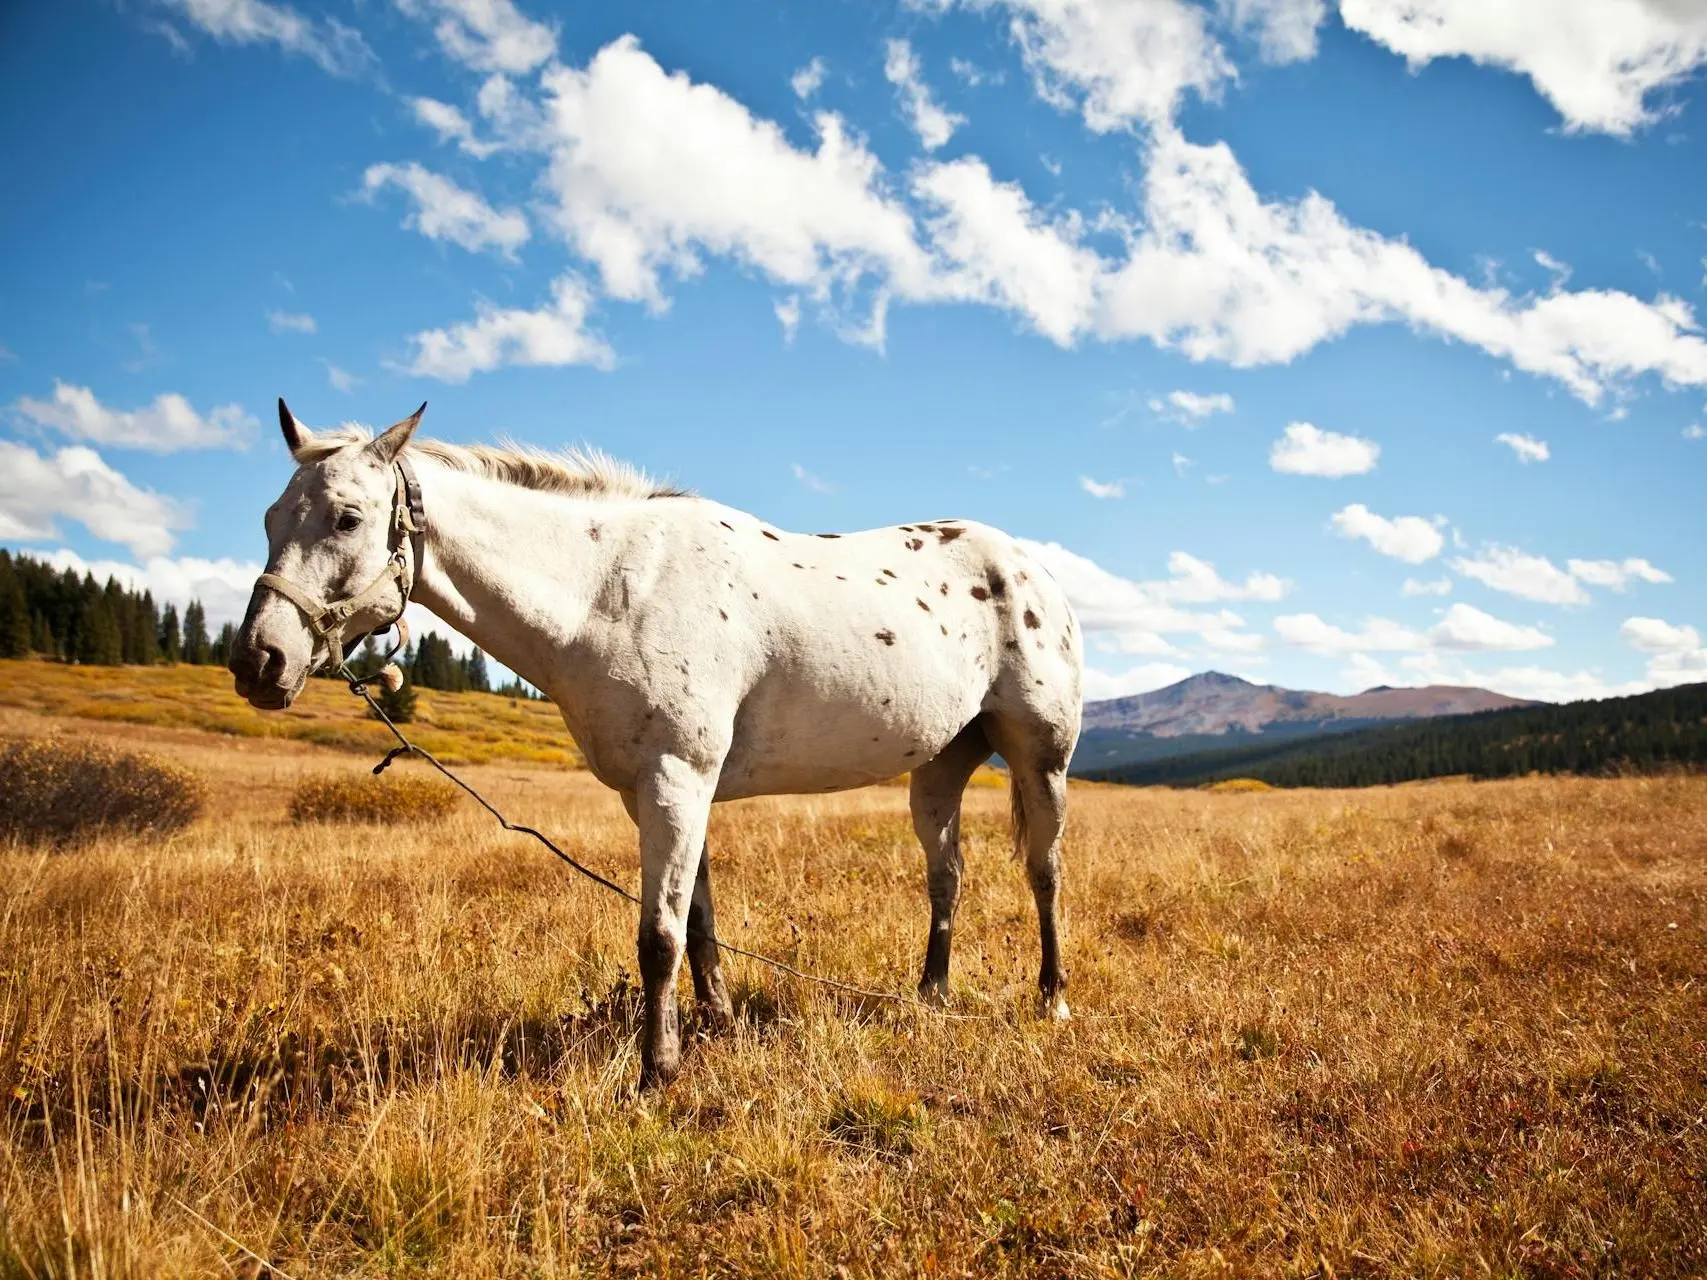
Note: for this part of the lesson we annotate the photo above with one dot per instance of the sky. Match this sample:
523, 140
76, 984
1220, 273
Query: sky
1331, 343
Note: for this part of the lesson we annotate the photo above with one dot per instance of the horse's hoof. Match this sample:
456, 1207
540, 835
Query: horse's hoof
934, 995
1054, 1009
657, 1075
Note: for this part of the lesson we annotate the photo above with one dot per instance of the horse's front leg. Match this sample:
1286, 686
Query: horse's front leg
672, 806
709, 991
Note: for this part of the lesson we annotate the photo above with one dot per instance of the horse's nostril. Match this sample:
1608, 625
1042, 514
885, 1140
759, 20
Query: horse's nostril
272, 662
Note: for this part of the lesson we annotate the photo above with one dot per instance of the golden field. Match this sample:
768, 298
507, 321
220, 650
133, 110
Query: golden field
1441, 1030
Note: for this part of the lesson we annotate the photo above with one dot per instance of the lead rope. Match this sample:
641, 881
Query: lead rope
359, 685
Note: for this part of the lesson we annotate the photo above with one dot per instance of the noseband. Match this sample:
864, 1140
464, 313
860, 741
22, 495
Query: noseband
327, 621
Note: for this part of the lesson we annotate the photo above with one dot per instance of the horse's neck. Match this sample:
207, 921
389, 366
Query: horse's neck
497, 554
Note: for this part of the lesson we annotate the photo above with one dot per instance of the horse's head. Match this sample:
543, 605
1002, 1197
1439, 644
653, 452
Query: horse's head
334, 540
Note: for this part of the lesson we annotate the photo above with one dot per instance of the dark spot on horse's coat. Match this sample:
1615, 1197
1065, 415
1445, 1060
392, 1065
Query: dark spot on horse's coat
723, 614
913, 544
1031, 620
593, 532
890, 573
1040, 644
998, 588
888, 637
1038, 683
943, 588
841, 577
905, 528
887, 701
771, 536
946, 534
798, 565
727, 525
910, 753
828, 535
944, 630
755, 595
922, 605
1012, 644
1022, 577
883, 582
979, 593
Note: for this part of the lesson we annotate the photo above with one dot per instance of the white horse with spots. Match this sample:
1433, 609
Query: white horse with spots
696, 653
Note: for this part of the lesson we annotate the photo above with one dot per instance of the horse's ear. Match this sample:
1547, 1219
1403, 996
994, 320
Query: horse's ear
391, 441
296, 435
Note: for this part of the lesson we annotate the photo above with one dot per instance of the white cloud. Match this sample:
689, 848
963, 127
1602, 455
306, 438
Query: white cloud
334, 47
928, 118
649, 170
1195, 581
1102, 685
1098, 489
1462, 629
1527, 448
1694, 431
1221, 274
1189, 408
1001, 251
169, 424
815, 483
1434, 587
1408, 538
1517, 573
1285, 29
451, 126
36, 490
1468, 629
445, 211
223, 586
1127, 616
788, 316
808, 79
969, 74
1654, 635
555, 334
1616, 574
340, 379
1596, 61
1306, 450
487, 35
1122, 62
1559, 271
290, 322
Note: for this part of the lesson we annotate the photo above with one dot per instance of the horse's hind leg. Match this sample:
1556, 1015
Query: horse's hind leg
708, 988
1036, 753
935, 797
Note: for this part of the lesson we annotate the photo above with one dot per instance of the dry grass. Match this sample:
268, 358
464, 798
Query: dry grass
1236, 786
55, 792
1413, 1032
456, 727
390, 798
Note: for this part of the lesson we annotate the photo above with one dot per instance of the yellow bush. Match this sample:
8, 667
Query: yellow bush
54, 792
1232, 786
388, 799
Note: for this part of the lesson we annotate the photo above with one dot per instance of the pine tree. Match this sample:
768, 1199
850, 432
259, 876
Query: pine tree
220, 654
41, 637
479, 680
399, 706
197, 649
14, 615
171, 640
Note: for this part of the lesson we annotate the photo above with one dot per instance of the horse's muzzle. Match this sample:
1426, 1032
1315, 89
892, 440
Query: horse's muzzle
260, 675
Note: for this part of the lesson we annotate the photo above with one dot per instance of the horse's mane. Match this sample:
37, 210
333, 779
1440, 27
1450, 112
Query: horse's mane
586, 473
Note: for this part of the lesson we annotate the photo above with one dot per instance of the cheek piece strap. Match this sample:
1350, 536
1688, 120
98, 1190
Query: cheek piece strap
328, 621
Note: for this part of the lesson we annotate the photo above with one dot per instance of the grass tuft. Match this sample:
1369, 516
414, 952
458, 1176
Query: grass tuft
388, 799
57, 792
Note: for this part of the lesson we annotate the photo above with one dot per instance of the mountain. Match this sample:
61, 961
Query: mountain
1660, 732
1215, 710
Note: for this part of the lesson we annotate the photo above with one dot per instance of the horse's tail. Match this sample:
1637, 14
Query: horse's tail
1016, 816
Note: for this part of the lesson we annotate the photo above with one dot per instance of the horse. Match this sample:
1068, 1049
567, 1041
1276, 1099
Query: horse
697, 654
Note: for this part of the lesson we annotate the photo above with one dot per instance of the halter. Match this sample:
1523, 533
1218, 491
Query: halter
327, 621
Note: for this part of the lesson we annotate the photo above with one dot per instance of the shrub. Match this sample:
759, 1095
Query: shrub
388, 798
54, 792
1228, 786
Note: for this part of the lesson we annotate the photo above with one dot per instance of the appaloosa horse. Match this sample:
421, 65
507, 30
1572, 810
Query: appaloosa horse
697, 654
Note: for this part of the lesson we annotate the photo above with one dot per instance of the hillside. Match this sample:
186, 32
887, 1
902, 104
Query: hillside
457, 727
1650, 732
1213, 711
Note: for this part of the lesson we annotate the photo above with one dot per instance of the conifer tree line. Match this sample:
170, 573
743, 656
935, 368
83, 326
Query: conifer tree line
56, 614
1644, 733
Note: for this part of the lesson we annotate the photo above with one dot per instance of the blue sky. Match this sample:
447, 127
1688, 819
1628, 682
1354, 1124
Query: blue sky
1331, 344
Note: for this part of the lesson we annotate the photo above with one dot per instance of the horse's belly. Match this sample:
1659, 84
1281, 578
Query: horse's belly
832, 740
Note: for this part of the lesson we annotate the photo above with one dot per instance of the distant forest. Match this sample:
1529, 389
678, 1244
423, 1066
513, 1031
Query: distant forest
55, 614
1647, 733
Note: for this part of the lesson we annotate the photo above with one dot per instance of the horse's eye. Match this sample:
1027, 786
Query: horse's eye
349, 520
